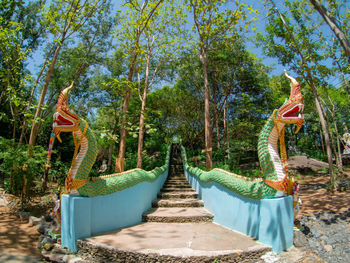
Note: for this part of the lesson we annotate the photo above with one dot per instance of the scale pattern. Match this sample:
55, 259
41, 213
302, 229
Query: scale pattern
108, 184
254, 188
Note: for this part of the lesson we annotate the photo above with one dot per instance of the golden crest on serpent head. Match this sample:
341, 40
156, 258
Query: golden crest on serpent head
63, 119
292, 110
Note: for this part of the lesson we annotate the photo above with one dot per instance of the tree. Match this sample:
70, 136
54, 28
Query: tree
162, 42
298, 50
63, 18
108, 84
134, 20
20, 34
210, 24
333, 26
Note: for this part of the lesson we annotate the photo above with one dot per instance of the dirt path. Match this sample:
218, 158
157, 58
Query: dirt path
316, 199
16, 236
313, 187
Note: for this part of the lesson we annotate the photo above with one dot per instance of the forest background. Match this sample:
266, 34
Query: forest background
148, 72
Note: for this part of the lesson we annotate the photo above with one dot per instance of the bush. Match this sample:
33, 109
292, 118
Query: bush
18, 169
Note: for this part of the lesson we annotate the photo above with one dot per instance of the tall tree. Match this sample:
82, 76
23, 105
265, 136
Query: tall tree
162, 42
299, 51
211, 22
327, 16
20, 33
134, 20
63, 18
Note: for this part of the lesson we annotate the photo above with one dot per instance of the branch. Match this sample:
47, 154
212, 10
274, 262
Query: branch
150, 15
139, 86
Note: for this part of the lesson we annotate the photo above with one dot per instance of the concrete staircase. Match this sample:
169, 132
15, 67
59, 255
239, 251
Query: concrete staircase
177, 202
176, 229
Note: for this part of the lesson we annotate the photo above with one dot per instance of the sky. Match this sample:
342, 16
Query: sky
37, 57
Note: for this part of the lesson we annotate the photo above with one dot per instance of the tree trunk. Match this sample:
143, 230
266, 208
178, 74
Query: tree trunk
216, 116
324, 128
225, 124
35, 127
14, 121
142, 114
333, 25
110, 153
141, 132
338, 155
207, 128
31, 96
322, 144
122, 143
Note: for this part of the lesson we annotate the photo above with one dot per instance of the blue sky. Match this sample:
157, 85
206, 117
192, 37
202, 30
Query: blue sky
37, 57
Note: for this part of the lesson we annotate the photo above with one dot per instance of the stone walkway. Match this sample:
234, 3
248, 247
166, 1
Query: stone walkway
176, 229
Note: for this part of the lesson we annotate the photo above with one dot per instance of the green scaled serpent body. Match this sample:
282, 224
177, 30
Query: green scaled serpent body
78, 180
274, 181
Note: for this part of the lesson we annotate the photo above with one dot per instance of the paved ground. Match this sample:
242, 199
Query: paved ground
178, 239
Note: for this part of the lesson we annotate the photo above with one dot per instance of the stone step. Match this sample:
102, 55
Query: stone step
177, 215
176, 242
174, 189
184, 186
178, 174
177, 195
178, 169
176, 186
178, 203
177, 166
176, 177
180, 183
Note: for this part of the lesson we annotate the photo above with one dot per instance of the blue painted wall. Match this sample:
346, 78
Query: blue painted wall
83, 217
268, 220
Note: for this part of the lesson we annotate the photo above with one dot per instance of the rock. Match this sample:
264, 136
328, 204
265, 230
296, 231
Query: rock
313, 244
72, 259
41, 238
33, 221
48, 240
48, 247
316, 233
299, 239
312, 217
331, 241
23, 215
43, 228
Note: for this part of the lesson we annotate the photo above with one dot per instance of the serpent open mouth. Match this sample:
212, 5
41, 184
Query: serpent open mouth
294, 113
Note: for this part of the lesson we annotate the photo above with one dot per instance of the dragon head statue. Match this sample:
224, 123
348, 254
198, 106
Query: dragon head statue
292, 110
63, 119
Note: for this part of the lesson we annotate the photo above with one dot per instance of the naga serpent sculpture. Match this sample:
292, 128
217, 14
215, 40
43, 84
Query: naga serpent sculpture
275, 181
85, 152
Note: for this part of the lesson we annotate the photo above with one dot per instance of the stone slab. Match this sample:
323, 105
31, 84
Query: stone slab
178, 239
177, 214
178, 203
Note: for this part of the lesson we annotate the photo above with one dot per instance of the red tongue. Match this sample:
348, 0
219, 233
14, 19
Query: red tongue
63, 121
292, 113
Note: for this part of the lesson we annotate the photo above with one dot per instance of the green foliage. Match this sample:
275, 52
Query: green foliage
17, 165
58, 171
235, 164
150, 159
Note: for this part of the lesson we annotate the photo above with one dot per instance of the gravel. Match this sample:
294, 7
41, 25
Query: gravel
324, 237
328, 235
